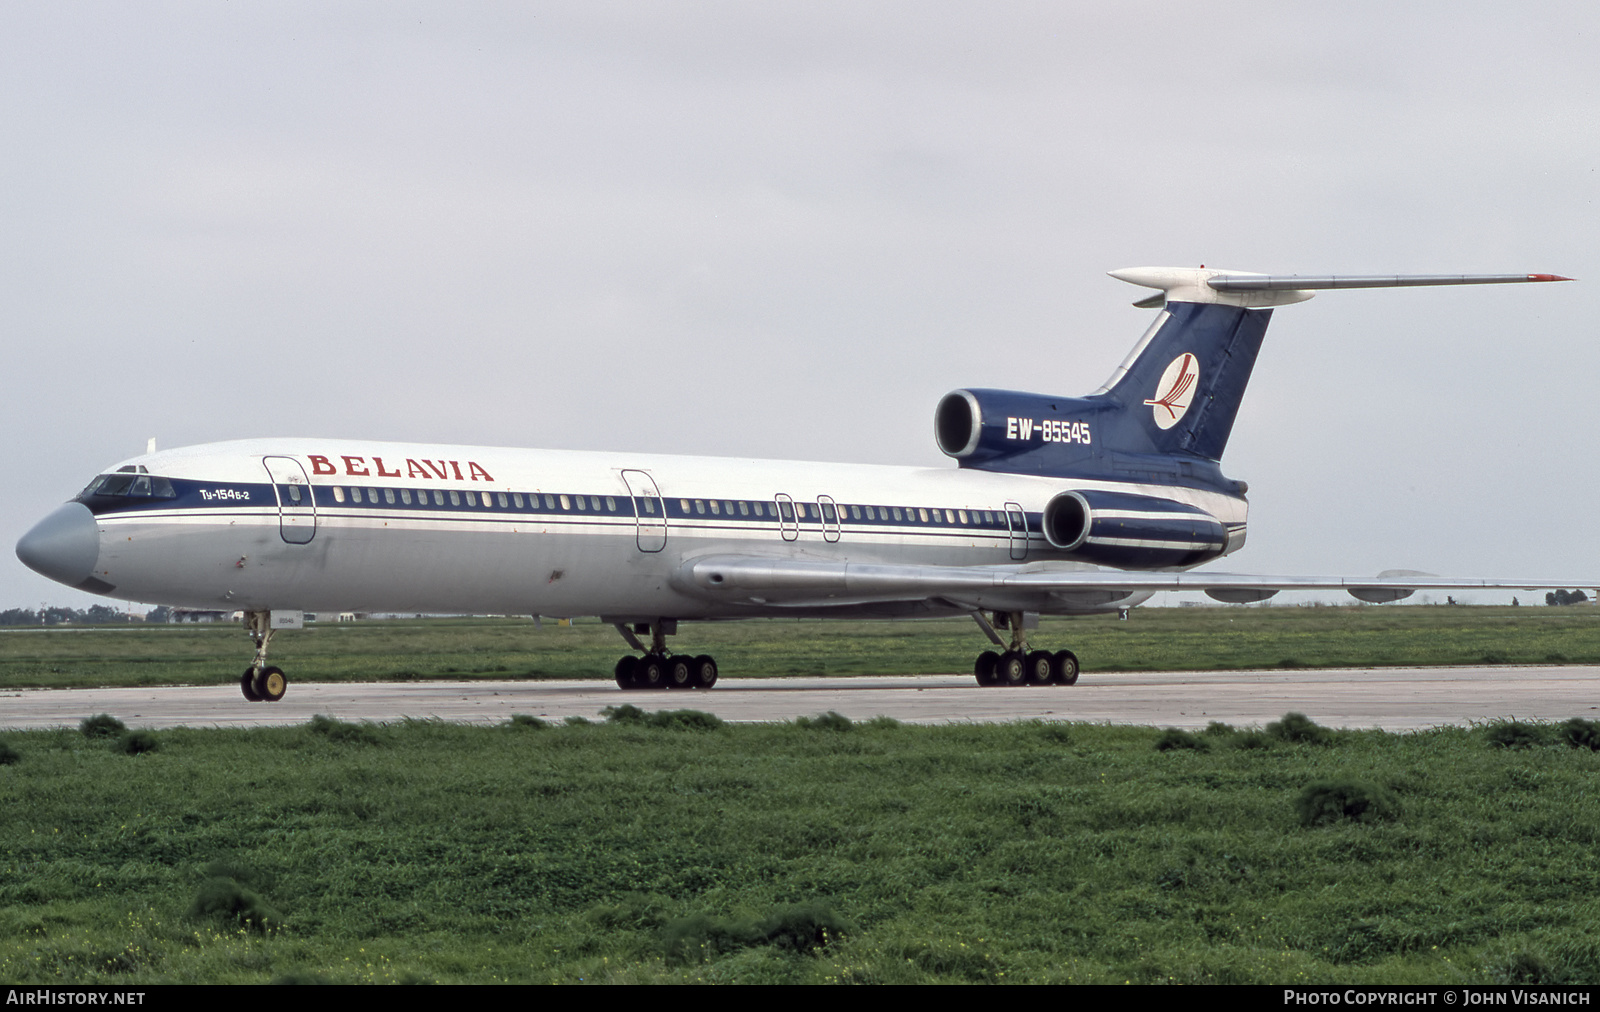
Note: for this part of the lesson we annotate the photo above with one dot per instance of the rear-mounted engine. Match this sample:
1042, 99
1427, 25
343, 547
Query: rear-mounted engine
977, 426
1132, 531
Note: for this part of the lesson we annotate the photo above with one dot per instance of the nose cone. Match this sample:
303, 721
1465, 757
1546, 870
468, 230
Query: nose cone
63, 546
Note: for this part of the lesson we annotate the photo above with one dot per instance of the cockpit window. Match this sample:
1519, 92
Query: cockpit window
143, 486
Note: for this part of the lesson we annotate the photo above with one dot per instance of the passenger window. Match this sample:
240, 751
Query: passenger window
716, 508
897, 513
405, 496
611, 504
549, 502
355, 494
438, 497
580, 502
338, 493
649, 505
800, 508
963, 515
855, 513
455, 498
744, 508
505, 501
566, 503
757, 508
388, 496
700, 506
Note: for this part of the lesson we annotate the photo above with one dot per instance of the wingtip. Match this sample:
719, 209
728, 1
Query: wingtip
1548, 277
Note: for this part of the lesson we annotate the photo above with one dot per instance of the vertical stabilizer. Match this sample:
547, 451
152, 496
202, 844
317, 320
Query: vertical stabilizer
1179, 390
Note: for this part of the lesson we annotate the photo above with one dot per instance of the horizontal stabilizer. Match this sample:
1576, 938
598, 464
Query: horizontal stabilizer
1260, 291
1314, 282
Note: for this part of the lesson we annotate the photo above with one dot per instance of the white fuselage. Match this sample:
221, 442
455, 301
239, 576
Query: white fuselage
395, 527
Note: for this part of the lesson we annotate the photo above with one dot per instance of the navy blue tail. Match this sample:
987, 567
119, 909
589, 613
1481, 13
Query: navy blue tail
1182, 392
1165, 416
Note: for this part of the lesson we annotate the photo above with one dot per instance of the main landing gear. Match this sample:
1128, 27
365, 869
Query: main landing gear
1018, 665
260, 683
657, 669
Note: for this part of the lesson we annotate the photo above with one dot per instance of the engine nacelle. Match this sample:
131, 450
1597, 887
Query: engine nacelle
1132, 531
978, 426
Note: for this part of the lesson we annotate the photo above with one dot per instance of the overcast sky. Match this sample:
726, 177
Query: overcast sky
787, 229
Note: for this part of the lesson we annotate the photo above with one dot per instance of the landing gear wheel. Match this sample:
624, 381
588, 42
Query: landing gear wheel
1066, 667
247, 685
1041, 667
651, 672
705, 672
1012, 669
625, 670
270, 685
984, 668
680, 672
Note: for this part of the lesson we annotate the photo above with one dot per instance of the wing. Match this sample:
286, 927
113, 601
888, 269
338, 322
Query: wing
1043, 587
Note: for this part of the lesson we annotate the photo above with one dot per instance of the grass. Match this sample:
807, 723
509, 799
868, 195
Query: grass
660, 849
479, 648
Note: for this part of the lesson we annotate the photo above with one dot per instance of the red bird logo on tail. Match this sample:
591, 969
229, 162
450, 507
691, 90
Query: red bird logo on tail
1178, 383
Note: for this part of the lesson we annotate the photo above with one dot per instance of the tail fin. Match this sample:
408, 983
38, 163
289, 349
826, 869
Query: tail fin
1180, 388
1167, 412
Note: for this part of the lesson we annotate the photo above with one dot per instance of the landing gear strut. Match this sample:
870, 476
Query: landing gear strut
260, 683
657, 669
1018, 665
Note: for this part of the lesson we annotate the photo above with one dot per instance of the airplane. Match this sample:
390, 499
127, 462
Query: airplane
1057, 506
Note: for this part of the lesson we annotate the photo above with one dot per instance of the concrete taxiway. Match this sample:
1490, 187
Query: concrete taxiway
1394, 699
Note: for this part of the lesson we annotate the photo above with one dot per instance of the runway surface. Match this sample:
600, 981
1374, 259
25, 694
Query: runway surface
1395, 699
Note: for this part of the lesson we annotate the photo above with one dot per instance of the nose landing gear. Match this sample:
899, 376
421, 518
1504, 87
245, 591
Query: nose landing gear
260, 683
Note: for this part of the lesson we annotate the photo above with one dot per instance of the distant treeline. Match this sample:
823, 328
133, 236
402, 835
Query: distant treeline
95, 614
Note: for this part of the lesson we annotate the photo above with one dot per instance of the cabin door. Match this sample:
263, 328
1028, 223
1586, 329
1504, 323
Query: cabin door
1017, 524
297, 511
788, 520
648, 511
830, 517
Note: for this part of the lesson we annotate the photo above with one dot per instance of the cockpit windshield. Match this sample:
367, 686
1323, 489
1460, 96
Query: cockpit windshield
141, 486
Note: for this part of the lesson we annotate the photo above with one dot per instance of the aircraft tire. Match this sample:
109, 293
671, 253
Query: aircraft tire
1065, 667
705, 672
625, 670
680, 672
270, 685
983, 669
1041, 667
247, 685
1012, 669
651, 672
